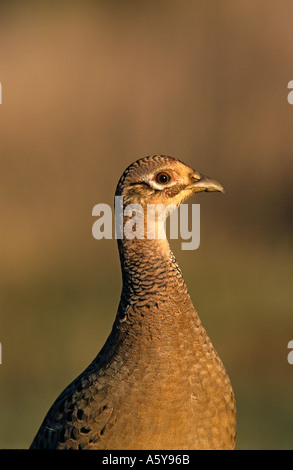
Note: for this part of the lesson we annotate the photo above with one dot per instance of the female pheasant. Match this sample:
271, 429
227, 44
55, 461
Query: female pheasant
158, 382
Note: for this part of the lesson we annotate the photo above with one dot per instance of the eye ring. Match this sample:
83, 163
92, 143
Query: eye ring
163, 177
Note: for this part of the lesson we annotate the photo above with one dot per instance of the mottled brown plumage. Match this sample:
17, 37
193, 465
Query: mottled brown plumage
158, 382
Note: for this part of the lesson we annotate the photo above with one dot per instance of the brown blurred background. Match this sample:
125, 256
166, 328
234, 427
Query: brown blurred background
87, 88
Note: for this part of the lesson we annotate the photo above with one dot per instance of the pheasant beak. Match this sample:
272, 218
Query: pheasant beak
204, 183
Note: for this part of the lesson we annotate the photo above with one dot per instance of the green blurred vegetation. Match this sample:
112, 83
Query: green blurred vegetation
88, 88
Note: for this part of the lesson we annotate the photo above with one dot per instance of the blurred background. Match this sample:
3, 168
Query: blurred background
89, 87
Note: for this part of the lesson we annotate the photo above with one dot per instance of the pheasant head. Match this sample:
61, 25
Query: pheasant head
162, 180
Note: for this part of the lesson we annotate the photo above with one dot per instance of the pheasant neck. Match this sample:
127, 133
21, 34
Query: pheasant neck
150, 272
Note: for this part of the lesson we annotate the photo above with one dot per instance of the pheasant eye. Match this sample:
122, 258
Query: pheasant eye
163, 178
